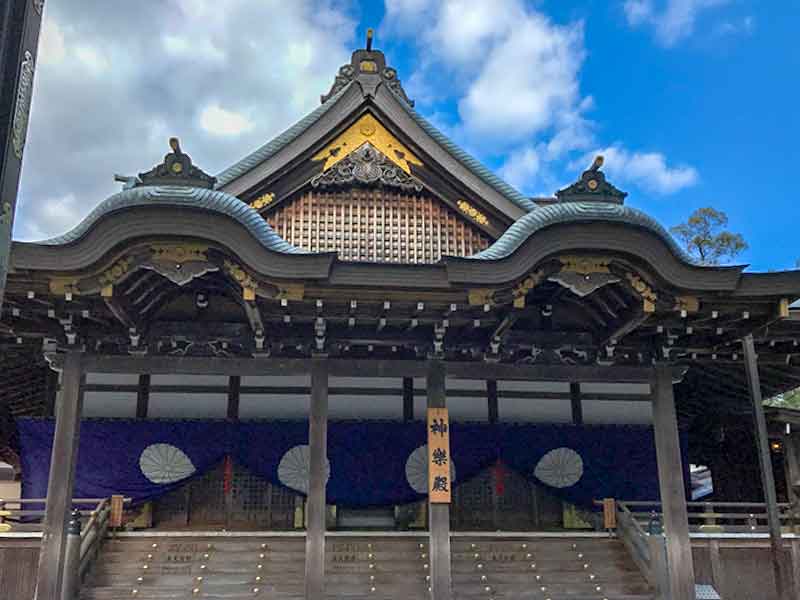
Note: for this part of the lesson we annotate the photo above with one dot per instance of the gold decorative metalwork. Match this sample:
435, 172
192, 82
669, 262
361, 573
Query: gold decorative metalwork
367, 129
248, 284
691, 304
290, 291
368, 66
520, 291
263, 200
61, 286
472, 212
117, 271
480, 296
647, 293
783, 308
584, 265
179, 253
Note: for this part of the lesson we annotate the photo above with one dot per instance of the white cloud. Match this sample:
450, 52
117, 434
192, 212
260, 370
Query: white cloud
673, 22
521, 166
223, 75
744, 26
514, 75
51, 43
647, 170
94, 62
218, 121
529, 82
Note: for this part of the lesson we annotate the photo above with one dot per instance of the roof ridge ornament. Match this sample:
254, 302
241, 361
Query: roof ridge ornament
592, 187
368, 67
177, 169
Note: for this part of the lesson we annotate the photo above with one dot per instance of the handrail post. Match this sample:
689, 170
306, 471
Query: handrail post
116, 511
72, 558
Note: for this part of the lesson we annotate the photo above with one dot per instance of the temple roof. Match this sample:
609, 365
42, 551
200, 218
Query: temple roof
367, 81
185, 197
572, 212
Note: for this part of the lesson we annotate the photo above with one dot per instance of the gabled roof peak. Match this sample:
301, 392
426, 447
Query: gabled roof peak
368, 68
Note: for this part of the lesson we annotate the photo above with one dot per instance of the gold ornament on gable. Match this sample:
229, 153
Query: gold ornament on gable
367, 129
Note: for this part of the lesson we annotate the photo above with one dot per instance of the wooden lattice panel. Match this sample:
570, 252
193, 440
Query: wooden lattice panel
374, 225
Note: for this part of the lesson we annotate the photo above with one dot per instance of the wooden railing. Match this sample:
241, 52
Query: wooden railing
647, 548
27, 514
17, 515
720, 517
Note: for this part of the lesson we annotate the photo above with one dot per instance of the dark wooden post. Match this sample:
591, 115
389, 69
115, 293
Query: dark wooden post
318, 442
61, 481
672, 486
234, 385
491, 397
408, 399
765, 464
143, 396
439, 514
577, 404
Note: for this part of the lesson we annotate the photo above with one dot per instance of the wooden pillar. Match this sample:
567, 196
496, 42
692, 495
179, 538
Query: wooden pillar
61, 480
765, 464
439, 514
672, 486
143, 396
318, 442
491, 397
234, 385
408, 399
577, 405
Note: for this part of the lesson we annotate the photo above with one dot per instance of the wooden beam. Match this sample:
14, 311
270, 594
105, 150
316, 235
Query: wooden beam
234, 384
577, 404
491, 398
765, 464
61, 481
623, 326
343, 367
672, 486
439, 514
143, 396
408, 399
317, 480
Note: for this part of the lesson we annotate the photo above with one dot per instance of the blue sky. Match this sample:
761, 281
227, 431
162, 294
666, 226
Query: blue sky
693, 102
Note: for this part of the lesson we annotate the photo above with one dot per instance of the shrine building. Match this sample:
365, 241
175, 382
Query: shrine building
358, 364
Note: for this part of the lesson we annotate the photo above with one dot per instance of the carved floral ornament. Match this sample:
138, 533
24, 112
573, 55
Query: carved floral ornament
367, 166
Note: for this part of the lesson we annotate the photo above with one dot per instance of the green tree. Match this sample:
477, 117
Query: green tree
705, 238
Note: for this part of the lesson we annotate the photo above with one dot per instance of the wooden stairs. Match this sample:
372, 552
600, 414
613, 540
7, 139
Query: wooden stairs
370, 568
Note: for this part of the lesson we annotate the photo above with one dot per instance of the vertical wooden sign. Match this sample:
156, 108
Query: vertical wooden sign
439, 484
